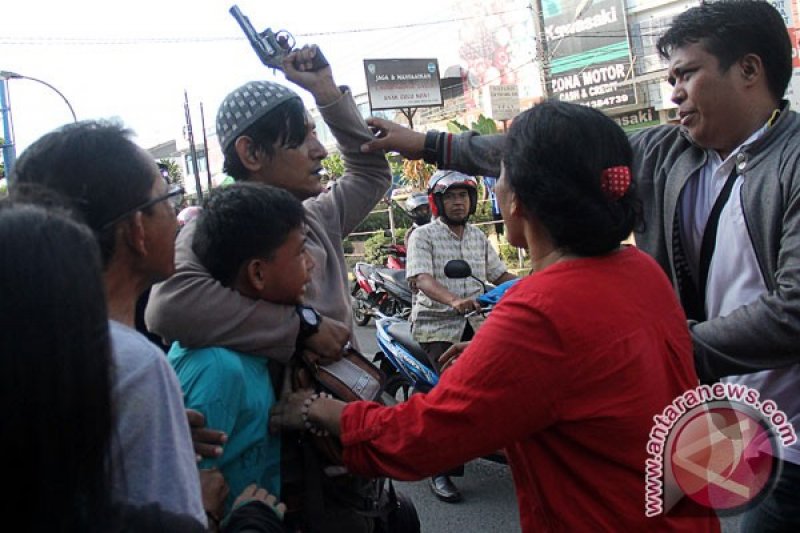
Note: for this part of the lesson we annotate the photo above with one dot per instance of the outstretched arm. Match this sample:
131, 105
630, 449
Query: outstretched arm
475, 404
468, 152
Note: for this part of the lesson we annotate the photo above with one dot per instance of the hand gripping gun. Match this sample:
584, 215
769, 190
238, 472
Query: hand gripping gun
270, 47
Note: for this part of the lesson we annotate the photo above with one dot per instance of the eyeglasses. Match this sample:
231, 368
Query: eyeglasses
174, 195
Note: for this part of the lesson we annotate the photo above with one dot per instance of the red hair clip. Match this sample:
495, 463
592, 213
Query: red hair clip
615, 181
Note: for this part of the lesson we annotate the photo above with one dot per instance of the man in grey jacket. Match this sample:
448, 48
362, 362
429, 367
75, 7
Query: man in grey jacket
267, 136
721, 196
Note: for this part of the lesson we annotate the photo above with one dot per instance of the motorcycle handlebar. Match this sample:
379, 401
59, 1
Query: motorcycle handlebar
482, 311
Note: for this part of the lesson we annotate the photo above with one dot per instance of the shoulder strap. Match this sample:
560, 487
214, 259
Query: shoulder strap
710, 233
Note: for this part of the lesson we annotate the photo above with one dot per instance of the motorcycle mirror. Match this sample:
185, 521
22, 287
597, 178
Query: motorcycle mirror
457, 269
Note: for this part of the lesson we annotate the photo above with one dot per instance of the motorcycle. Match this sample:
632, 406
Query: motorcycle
402, 359
407, 366
396, 256
381, 290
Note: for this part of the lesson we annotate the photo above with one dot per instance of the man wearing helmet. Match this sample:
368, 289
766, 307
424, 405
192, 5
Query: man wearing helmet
437, 315
420, 212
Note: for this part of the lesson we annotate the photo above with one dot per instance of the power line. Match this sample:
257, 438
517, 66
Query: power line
180, 40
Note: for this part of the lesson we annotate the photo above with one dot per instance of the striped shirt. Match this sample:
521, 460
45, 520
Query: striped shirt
431, 246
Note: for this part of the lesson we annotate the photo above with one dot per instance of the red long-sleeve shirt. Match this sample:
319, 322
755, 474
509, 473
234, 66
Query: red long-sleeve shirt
566, 374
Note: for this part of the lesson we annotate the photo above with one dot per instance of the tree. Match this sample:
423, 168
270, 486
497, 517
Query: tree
334, 166
174, 169
417, 173
484, 126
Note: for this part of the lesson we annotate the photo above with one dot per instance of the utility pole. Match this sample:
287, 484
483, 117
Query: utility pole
541, 43
205, 146
9, 150
192, 150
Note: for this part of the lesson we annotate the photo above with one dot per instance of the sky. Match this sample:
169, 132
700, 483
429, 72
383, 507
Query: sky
133, 60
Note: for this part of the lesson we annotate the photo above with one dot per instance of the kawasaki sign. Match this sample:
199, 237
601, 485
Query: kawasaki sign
587, 43
636, 120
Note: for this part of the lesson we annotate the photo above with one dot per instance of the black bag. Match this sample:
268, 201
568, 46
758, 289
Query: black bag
319, 493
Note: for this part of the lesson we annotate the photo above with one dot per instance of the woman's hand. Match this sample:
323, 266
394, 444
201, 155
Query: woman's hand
287, 414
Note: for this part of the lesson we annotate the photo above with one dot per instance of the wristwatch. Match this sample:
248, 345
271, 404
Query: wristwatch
309, 321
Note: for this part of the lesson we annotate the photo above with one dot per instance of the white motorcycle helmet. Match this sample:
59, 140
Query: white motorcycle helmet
442, 181
412, 207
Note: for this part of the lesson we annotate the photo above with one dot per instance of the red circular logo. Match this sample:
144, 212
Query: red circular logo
722, 457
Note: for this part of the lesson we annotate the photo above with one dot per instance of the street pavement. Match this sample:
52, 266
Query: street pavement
489, 503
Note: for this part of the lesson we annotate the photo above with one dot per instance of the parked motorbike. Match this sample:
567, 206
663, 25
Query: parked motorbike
379, 291
396, 256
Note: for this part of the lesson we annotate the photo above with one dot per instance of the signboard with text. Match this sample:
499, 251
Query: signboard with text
501, 102
789, 12
589, 53
637, 120
402, 83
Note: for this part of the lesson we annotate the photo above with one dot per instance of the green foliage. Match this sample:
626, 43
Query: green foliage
372, 248
174, 169
347, 246
395, 164
380, 220
508, 254
484, 126
334, 165
455, 126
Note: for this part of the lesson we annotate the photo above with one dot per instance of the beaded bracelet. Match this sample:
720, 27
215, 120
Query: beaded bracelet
314, 430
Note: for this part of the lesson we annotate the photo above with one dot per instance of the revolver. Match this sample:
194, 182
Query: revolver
271, 47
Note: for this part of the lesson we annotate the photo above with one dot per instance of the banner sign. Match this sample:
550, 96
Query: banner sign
402, 83
636, 120
589, 52
501, 102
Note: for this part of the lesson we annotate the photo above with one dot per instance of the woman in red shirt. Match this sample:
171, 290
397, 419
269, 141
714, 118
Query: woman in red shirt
571, 366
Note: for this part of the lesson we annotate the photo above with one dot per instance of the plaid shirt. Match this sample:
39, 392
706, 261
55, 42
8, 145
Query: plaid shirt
431, 246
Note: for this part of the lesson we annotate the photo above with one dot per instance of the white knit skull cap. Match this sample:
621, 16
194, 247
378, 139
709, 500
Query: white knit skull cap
245, 105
